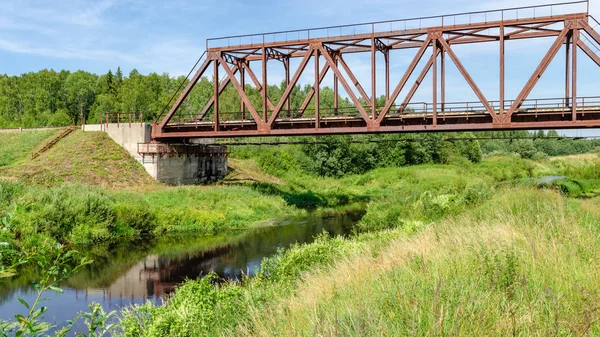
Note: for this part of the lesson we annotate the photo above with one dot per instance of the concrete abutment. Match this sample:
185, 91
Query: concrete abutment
172, 164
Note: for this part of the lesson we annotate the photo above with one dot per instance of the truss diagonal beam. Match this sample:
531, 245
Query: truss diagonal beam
418, 82
311, 92
407, 74
211, 102
345, 84
468, 78
290, 86
354, 80
242, 94
185, 92
589, 51
538, 72
257, 84
594, 34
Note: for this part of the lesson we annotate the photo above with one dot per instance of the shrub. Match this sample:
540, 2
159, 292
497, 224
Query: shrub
139, 216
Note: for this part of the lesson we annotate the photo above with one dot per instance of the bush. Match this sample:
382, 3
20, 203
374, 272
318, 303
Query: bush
138, 216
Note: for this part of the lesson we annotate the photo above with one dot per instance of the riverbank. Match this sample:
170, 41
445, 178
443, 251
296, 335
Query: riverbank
420, 221
448, 249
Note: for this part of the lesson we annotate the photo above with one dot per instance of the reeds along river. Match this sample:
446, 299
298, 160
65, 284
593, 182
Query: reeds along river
133, 272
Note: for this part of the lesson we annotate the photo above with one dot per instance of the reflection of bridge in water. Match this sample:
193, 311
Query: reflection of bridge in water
157, 275
569, 24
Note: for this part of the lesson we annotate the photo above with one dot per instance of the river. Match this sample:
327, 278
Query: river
129, 273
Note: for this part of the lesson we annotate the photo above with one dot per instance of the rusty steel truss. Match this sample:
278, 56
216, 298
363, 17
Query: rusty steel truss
432, 38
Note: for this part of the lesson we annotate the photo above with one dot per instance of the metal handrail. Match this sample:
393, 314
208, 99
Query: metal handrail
261, 37
594, 19
176, 93
415, 108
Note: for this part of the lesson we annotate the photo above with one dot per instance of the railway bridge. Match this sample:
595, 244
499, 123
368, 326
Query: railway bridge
237, 60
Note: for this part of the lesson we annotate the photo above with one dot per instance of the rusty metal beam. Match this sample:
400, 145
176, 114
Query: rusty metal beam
342, 80
355, 81
243, 95
311, 92
575, 39
589, 52
468, 78
416, 85
257, 84
443, 29
186, 92
290, 87
407, 74
538, 72
211, 101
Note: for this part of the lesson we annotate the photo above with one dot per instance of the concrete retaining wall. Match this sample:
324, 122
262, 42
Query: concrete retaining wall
169, 169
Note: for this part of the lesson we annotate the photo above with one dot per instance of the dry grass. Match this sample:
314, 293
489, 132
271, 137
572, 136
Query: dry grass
577, 157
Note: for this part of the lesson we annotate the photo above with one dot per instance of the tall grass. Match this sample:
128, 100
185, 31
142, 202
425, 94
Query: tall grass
524, 262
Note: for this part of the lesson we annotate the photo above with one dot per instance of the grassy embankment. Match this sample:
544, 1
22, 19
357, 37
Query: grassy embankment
87, 189
443, 249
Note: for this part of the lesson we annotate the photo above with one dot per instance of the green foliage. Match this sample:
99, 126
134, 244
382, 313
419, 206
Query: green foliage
197, 308
137, 215
337, 156
506, 142
56, 265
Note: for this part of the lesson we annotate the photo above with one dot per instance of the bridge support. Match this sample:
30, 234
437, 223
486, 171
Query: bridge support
172, 164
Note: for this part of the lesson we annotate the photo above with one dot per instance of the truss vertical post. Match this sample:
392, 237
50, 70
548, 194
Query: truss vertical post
216, 95
243, 85
502, 84
335, 90
373, 75
568, 70
434, 46
443, 80
574, 40
317, 90
386, 55
286, 64
265, 85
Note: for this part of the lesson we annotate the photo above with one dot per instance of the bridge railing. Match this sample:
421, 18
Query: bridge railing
450, 20
415, 109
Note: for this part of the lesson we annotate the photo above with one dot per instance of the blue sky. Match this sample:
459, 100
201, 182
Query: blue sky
168, 36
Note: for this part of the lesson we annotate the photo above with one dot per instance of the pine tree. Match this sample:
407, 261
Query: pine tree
119, 78
110, 83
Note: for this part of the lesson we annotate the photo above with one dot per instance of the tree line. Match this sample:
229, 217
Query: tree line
57, 98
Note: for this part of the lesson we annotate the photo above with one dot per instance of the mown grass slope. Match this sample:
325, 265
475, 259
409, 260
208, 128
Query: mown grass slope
16, 147
90, 158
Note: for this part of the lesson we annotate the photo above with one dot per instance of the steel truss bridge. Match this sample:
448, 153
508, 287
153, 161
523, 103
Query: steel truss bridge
432, 38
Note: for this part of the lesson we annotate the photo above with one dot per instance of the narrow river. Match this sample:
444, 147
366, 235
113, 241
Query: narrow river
132, 273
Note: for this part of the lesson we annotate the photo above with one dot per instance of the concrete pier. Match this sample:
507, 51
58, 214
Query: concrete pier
172, 164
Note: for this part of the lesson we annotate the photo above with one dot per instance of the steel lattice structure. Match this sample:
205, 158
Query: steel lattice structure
433, 39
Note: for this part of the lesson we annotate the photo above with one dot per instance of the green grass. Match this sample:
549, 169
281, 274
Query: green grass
90, 158
16, 146
524, 262
473, 249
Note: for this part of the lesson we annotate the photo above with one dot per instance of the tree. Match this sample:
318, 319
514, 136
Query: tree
80, 87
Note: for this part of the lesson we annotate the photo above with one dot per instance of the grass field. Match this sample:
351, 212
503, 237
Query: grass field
16, 147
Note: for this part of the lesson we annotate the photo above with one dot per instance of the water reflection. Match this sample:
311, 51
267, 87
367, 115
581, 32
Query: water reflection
131, 273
